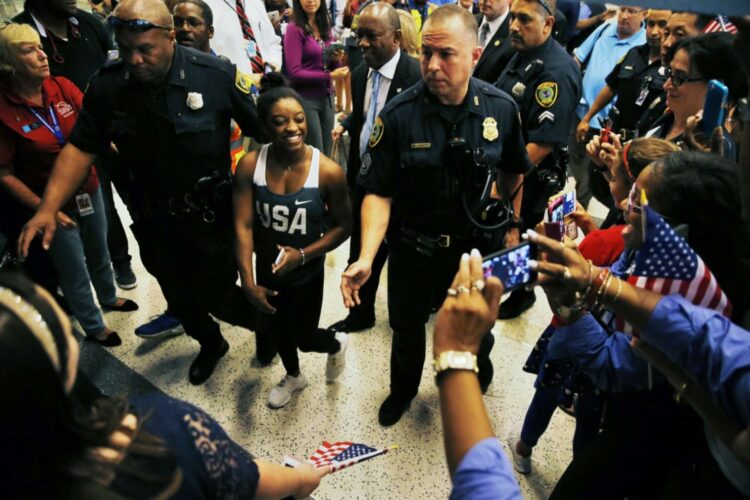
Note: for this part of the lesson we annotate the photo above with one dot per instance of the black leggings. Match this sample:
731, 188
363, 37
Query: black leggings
295, 324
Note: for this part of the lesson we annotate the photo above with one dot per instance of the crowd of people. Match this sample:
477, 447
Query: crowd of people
248, 139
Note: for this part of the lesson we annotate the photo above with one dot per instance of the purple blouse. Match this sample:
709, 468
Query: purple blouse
303, 63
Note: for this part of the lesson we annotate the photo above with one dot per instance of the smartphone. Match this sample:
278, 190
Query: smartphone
713, 107
274, 16
511, 266
279, 257
559, 210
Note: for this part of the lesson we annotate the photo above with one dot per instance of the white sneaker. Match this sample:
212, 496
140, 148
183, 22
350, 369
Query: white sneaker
521, 463
337, 361
282, 393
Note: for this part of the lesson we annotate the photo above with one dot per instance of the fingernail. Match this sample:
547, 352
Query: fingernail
475, 253
465, 257
524, 236
532, 234
533, 264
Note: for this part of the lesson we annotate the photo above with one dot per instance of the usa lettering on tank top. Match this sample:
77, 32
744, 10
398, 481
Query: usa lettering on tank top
295, 219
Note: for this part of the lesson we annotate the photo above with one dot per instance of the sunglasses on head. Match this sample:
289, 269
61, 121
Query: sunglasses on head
680, 78
134, 25
545, 4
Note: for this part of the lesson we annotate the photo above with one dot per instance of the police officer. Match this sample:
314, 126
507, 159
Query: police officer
166, 108
546, 83
638, 82
409, 172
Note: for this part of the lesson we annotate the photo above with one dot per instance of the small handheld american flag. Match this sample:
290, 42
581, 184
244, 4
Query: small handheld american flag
666, 264
720, 24
343, 454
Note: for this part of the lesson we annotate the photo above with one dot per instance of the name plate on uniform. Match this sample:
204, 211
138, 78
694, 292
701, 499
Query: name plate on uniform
421, 145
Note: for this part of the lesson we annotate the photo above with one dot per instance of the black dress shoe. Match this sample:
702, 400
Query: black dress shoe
126, 306
112, 340
352, 323
519, 301
203, 365
391, 410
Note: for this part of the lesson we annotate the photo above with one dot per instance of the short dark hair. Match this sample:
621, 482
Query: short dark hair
713, 57
208, 15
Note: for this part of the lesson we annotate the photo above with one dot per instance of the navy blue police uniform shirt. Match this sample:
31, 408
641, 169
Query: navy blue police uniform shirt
170, 134
637, 83
546, 84
405, 157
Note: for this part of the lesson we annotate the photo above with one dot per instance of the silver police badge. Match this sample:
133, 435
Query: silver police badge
489, 129
518, 89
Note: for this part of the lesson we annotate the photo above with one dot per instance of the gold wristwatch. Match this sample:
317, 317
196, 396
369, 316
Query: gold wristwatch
455, 360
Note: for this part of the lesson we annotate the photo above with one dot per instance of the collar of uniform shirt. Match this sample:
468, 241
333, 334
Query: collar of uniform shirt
388, 70
494, 25
472, 102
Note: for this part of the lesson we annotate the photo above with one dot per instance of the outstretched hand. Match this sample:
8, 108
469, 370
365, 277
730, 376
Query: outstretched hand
352, 280
41, 223
469, 310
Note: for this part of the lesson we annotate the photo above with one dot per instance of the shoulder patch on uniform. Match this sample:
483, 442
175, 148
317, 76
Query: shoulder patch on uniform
377, 132
546, 94
243, 82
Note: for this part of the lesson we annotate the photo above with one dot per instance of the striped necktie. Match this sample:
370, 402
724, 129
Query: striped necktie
256, 60
364, 136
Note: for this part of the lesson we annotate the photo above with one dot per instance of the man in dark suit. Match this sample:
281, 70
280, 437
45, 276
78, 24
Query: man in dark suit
493, 38
385, 72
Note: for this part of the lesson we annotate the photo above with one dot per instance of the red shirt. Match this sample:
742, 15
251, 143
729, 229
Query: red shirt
29, 147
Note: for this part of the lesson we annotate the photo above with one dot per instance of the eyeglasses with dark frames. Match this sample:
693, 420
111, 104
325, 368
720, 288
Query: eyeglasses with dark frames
679, 78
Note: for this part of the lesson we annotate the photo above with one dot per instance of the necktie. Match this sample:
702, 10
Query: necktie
484, 34
333, 13
371, 113
256, 60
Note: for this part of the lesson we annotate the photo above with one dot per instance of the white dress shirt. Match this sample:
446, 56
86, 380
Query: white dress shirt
228, 40
387, 72
494, 26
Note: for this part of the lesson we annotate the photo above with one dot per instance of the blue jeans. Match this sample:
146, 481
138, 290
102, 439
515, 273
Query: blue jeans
81, 258
589, 409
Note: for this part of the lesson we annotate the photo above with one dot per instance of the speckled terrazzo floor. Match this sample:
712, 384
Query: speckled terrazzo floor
347, 410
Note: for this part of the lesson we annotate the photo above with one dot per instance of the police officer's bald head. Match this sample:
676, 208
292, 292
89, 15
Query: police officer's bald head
146, 38
154, 11
455, 13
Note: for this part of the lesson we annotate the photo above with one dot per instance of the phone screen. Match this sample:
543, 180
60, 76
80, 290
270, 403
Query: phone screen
511, 266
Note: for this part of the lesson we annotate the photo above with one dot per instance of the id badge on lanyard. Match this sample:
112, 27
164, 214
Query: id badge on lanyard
54, 127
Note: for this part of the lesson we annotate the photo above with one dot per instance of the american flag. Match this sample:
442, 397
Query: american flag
666, 264
720, 24
343, 454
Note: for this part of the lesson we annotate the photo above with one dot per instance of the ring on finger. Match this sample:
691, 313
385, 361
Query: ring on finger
478, 285
462, 289
452, 292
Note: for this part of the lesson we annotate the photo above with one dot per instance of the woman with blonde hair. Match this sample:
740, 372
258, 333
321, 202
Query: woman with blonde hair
37, 114
409, 37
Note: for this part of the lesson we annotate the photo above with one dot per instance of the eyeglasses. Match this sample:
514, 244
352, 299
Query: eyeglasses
680, 78
134, 25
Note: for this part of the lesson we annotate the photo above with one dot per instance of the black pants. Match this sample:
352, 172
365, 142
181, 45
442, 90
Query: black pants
295, 324
651, 447
415, 282
366, 309
117, 240
194, 264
